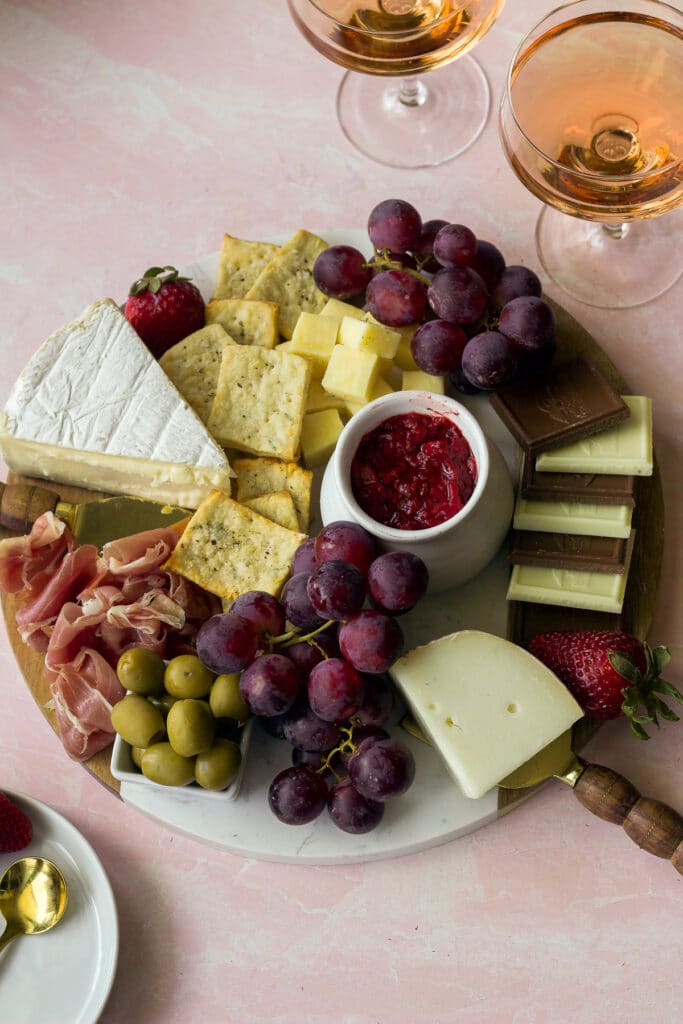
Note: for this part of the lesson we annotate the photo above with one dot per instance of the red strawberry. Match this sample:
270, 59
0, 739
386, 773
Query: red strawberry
164, 308
610, 673
16, 830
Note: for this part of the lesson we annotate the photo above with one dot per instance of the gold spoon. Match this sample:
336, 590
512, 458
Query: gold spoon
33, 897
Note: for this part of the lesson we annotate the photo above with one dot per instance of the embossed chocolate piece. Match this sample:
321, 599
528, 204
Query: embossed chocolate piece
568, 551
568, 402
572, 517
583, 488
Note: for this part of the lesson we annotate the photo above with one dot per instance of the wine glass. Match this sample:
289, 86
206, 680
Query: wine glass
592, 123
390, 111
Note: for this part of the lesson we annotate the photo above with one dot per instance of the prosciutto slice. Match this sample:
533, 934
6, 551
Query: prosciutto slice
27, 563
77, 569
141, 553
84, 691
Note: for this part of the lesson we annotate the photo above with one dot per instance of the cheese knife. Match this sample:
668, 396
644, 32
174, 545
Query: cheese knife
93, 522
653, 826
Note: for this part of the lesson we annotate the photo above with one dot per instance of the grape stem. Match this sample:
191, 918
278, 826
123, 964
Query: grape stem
347, 746
383, 260
294, 636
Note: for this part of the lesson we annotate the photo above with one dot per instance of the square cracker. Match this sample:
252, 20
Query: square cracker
240, 263
288, 280
276, 505
193, 366
260, 401
228, 549
247, 322
259, 476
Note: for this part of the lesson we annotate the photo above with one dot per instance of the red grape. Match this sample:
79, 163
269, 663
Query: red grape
397, 580
455, 246
270, 685
352, 812
346, 542
304, 559
381, 768
335, 690
378, 702
394, 224
437, 346
459, 295
489, 263
336, 590
264, 611
516, 281
306, 730
297, 795
371, 641
396, 298
341, 271
423, 249
528, 322
489, 360
297, 604
226, 643
305, 656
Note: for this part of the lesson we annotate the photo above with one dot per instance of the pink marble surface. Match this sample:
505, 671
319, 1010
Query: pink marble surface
133, 133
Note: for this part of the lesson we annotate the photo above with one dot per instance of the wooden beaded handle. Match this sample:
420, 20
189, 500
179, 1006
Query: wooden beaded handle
653, 826
22, 504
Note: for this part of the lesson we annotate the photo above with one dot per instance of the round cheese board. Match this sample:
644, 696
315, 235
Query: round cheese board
433, 811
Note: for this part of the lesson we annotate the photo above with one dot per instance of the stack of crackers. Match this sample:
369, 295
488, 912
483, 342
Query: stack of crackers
252, 398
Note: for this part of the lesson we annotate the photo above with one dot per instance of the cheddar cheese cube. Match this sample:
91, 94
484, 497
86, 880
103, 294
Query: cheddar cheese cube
382, 387
338, 309
365, 336
418, 380
314, 337
319, 399
319, 435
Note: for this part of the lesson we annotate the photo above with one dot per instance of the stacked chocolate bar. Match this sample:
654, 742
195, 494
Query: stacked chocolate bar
582, 446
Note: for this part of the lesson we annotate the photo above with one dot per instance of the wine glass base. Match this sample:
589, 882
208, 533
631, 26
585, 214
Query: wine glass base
415, 122
610, 268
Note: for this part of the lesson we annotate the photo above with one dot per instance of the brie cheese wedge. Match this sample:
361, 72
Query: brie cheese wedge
486, 704
93, 408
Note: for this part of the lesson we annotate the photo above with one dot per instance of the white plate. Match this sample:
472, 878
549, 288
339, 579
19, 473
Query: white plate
433, 811
65, 975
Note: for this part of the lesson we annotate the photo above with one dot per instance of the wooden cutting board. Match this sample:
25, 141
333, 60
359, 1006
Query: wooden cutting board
573, 340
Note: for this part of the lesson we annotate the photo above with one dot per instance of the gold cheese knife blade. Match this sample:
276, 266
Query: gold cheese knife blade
652, 825
91, 522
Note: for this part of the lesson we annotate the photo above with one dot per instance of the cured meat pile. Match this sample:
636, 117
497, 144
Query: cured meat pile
82, 609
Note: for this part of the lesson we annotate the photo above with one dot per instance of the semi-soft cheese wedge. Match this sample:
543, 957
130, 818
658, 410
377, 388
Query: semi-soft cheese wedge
486, 704
93, 408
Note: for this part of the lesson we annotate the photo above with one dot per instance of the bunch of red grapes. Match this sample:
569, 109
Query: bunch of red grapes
313, 668
481, 322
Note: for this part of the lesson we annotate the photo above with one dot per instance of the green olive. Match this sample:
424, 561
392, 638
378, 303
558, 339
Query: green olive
164, 702
217, 767
137, 721
186, 676
225, 698
141, 671
161, 764
136, 756
190, 726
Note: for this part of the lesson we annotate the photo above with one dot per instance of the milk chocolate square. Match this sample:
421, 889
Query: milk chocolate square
568, 551
569, 401
584, 488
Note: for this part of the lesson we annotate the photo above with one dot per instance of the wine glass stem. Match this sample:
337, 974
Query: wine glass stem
412, 93
615, 231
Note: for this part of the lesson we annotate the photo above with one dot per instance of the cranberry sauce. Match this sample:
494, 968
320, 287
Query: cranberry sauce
413, 471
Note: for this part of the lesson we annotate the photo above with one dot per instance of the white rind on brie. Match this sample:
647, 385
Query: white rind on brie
94, 408
486, 704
